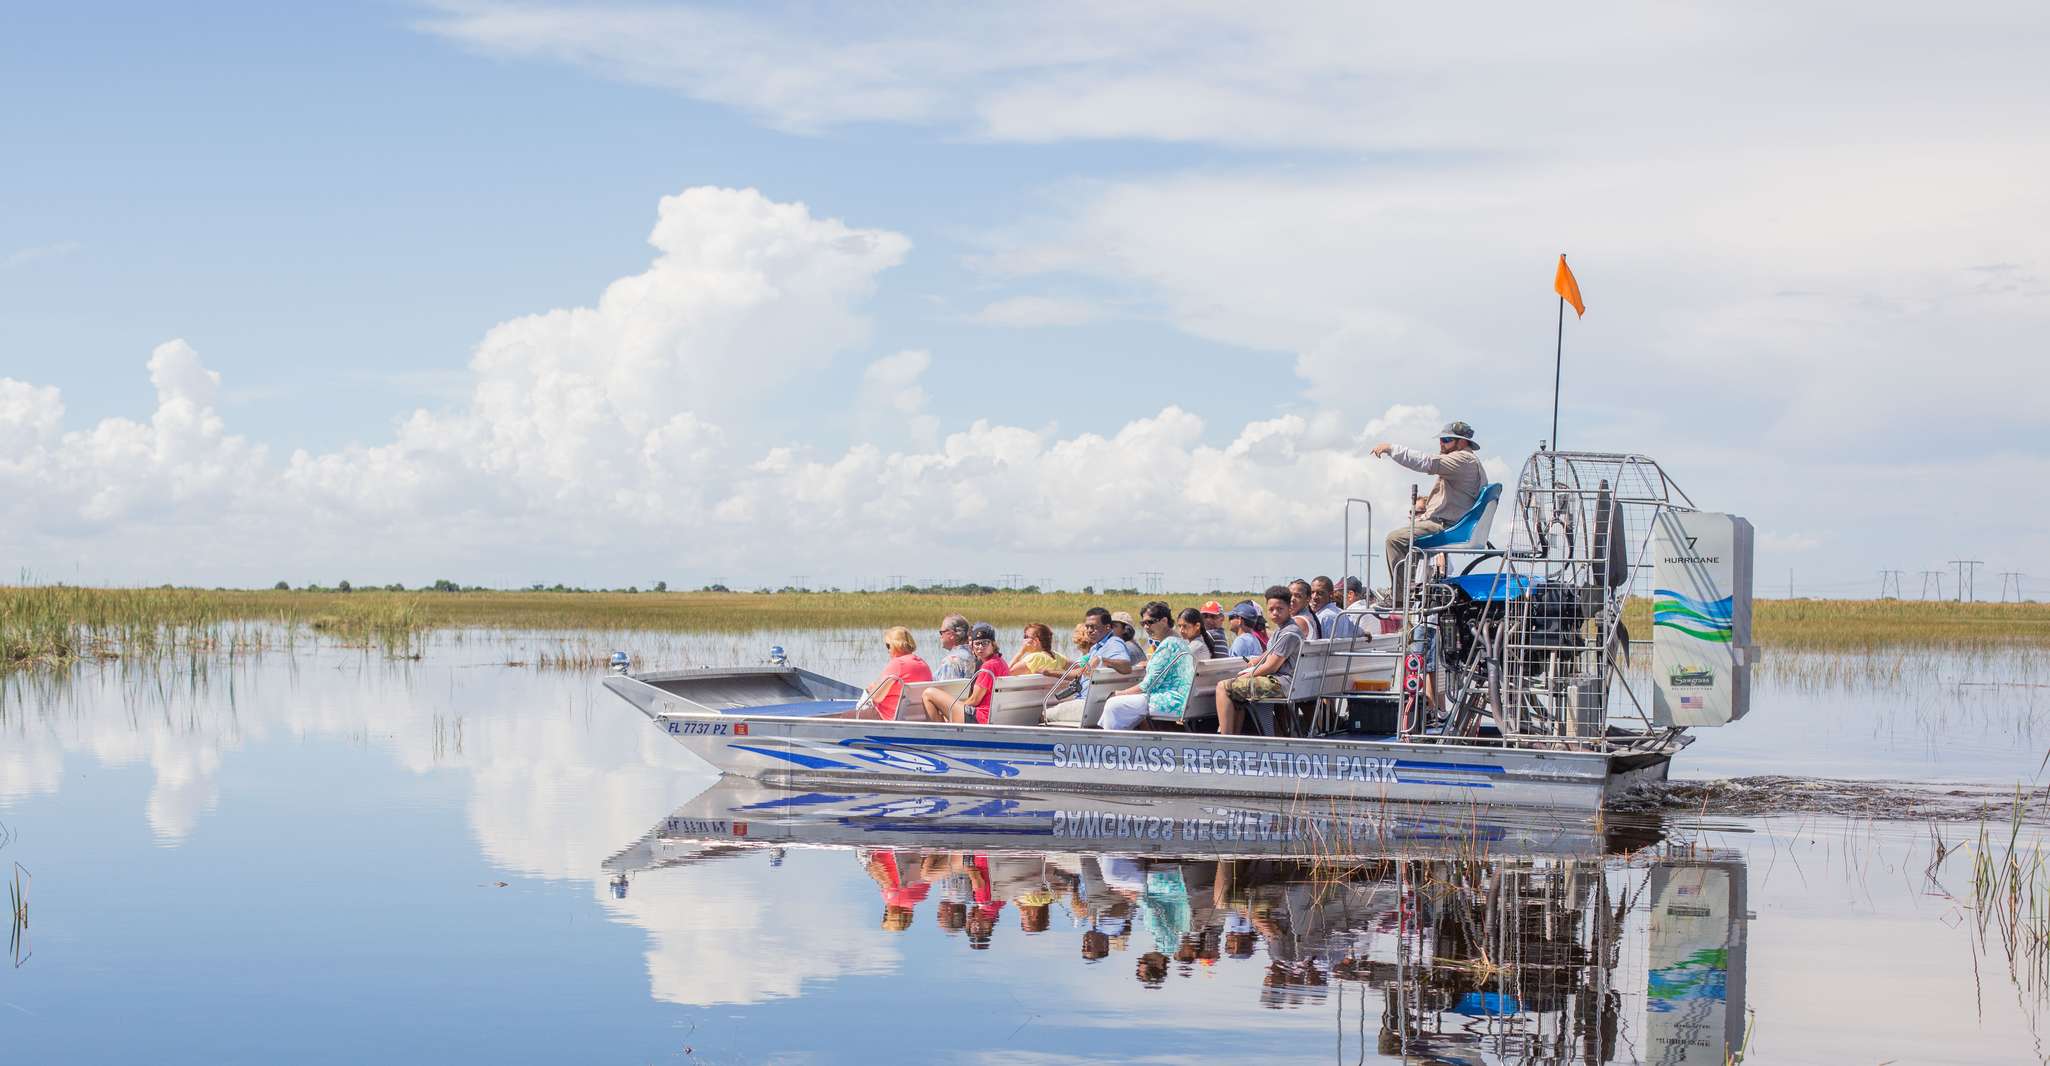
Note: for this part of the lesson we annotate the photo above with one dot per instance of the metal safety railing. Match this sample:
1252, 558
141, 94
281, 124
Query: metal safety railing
1541, 647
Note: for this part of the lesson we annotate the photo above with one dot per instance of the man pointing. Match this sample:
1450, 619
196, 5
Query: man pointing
1460, 481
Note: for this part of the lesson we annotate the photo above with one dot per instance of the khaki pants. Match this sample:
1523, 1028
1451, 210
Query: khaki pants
1397, 549
1066, 712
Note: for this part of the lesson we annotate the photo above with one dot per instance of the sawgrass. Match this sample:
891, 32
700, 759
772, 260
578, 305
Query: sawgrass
55, 624
1878, 625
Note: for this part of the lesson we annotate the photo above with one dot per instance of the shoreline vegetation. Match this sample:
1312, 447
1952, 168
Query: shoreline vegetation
59, 624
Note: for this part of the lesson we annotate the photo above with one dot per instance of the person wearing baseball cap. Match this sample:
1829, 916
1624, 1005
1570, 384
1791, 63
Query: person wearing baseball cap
1246, 627
1460, 482
1213, 630
941, 706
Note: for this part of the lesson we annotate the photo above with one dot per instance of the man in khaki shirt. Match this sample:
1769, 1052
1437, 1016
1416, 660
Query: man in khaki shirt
1460, 481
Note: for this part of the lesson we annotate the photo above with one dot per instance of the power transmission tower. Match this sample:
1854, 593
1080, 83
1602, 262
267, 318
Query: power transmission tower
1929, 577
1153, 581
1010, 580
2014, 576
1893, 578
1967, 574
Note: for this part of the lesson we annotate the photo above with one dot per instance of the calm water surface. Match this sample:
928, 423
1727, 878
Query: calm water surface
327, 856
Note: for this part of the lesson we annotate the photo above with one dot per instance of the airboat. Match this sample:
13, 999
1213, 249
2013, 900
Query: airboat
1554, 656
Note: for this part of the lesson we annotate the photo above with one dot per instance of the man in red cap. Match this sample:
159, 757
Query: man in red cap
1213, 630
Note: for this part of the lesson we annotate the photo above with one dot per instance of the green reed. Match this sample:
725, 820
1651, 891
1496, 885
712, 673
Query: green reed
17, 909
58, 624
2011, 897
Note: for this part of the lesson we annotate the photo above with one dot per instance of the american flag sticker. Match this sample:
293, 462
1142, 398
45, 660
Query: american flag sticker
1690, 701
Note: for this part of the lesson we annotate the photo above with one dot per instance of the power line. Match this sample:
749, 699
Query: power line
1967, 574
1890, 577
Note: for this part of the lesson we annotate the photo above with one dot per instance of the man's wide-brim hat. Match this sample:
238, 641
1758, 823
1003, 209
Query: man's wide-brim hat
1457, 429
1121, 616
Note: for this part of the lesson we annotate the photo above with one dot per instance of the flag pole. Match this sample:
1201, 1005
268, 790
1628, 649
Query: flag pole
1558, 361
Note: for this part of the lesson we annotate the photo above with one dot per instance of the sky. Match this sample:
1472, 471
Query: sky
747, 293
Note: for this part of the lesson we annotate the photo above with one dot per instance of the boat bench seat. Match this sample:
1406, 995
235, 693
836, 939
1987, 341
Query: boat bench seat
911, 705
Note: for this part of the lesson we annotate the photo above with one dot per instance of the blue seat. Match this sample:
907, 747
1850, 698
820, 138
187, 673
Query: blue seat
1490, 586
1471, 531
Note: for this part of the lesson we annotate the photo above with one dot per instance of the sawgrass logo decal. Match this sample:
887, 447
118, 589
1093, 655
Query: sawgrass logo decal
1701, 619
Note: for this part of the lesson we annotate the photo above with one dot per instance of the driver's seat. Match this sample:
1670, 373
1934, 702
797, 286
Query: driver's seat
1471, 531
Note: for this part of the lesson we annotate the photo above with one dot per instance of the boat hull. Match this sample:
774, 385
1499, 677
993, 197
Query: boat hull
841, 752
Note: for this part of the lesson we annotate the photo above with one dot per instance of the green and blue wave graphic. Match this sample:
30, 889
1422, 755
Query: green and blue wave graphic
1701, 619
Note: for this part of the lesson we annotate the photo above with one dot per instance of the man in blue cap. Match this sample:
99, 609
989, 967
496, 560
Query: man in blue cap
1460, 481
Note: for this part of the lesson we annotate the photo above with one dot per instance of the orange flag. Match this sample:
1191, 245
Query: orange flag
1567, 288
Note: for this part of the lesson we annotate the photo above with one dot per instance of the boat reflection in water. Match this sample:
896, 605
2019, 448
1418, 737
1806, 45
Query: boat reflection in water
1475, 937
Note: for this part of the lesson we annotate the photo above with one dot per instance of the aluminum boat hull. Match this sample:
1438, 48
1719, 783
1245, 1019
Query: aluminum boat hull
842, 752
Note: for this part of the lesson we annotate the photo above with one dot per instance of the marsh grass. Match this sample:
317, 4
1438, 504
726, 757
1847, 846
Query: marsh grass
58, 624
2010, 902
1883, 625
17, 909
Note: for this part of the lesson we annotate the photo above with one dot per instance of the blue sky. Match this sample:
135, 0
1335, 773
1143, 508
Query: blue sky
1806, 242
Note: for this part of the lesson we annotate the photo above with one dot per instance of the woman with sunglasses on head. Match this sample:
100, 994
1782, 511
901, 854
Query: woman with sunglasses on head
1164, 691
989, 665
904, 668
1036, 654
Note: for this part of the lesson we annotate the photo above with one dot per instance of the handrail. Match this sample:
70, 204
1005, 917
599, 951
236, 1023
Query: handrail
1346, 547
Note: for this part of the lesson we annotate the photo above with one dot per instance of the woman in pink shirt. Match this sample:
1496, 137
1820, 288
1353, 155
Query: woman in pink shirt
904, 667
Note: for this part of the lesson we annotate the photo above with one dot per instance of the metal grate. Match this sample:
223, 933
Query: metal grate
1553, 660
1580, 533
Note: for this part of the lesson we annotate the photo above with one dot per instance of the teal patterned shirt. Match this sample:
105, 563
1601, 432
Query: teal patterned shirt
1169, 673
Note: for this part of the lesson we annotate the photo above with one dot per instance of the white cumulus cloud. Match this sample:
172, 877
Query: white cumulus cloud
624, 430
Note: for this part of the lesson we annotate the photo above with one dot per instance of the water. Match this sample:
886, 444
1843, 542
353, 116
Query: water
326, 855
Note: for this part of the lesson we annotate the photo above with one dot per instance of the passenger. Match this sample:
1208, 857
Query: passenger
1143, 638
1035, 911
958, 662
1213, 630
1246, 631
1036, 654
1324, 601
1352, 621
1270, 677
1189, 626
903, 669
1127, 632
1105, 649
1302, 614
901, 895
941, 706
1164, 691
1459, 485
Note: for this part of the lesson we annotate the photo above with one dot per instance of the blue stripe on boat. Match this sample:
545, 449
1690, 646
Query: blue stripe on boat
809, 799
944, 742
1467, 768
809, 762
